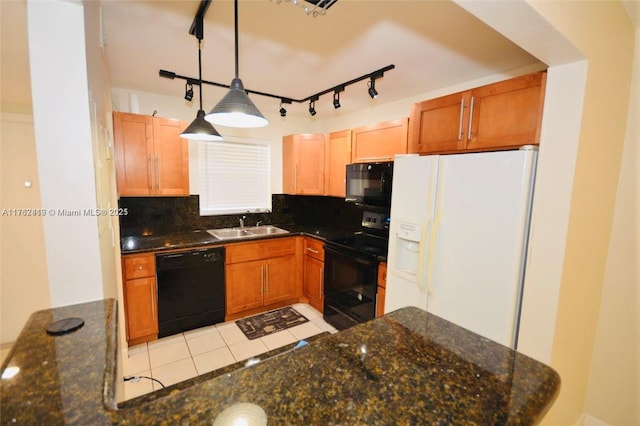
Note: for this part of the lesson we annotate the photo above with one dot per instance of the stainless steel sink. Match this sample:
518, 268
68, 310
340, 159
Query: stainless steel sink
266, 230
248, 232
228, 233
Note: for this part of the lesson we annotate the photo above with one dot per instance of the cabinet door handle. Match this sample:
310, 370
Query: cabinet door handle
461, 115
470, 119
153, 302
266, 277
321, 283
261, 280
149, 171
312, 250
158, 170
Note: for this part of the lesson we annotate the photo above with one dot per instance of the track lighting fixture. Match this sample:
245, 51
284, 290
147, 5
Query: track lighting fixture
188, 92
236, 109
200, 129
312, 107
283, 110
372, 88
336, 99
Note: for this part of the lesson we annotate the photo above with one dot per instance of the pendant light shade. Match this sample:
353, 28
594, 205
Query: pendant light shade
201, 130
236, 109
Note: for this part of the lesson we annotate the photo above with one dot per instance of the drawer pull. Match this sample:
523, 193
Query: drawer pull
312, 250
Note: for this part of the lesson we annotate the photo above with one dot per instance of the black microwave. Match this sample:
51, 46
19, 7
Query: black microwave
370, 183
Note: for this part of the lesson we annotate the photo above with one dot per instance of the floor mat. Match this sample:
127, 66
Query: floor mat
270, 322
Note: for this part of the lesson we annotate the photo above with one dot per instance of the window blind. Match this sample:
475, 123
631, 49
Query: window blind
234, 176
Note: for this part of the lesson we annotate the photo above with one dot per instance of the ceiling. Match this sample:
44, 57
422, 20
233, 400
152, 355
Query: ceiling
433, 44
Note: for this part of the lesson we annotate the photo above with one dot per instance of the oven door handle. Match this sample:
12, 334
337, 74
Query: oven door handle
362, 259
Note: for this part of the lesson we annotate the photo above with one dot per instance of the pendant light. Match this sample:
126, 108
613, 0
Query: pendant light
200, 129
236, 109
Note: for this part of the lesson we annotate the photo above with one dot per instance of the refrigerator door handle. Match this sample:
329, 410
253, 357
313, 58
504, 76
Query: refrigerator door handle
422, 277
435, 235
434, 245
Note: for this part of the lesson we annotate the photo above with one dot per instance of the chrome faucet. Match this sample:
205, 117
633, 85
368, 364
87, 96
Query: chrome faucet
242, 221
258, 223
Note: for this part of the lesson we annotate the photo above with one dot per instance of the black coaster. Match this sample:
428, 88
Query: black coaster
64, 326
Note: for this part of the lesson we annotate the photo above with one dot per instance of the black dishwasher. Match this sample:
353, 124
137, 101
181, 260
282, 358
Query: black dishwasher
191, 290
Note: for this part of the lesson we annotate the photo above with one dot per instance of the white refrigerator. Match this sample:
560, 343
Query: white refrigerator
458, 237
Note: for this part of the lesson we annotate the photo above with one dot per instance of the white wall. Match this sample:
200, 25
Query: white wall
64, 149
24, 286
618, 333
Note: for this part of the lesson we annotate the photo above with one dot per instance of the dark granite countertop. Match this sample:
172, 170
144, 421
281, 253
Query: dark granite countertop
407, 367
199, 238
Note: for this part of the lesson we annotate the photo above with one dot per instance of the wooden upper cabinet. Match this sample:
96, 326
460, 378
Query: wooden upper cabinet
151, 158
133, 136
337, 156
508, 113
438, 124
497, 116
380, 141
171, 157
303, 164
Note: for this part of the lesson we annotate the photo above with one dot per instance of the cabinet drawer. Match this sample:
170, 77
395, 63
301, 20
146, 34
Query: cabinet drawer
139, 266
245, 252
382, 275
314, 248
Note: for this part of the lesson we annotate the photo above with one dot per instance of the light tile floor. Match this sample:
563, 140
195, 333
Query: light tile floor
180, 357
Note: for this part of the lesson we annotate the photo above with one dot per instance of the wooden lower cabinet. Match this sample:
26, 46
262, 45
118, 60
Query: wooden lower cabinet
244, 286
262, 275
382, 289
313, 279
140, 298
281, 281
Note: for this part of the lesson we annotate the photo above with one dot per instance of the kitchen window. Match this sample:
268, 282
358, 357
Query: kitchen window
234, 176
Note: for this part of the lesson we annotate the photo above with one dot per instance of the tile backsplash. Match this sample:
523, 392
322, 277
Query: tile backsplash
165, 215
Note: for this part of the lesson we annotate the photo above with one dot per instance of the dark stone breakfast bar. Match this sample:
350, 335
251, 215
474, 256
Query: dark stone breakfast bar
408, 367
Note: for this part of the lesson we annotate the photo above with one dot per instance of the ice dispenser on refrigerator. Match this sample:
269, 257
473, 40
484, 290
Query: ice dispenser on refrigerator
407, 249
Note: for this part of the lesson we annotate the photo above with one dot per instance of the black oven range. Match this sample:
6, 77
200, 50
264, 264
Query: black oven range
351, 272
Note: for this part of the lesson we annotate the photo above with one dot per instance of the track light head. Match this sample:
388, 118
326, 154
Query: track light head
188, 92
312, 107
283, 102
372, 88
336, 99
